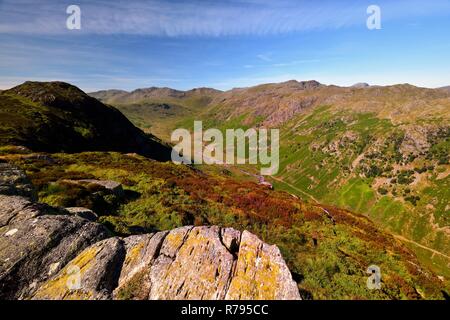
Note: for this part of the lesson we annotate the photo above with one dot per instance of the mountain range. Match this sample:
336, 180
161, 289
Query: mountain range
382, 151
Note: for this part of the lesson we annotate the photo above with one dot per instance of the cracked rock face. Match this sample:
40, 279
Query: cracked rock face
50, 253
261, 273
204, 263
193, 264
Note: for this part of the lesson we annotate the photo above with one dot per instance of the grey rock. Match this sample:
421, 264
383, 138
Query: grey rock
39, 157
14, 181
16, 208
35, 245
141, 251
360, 85
83, 213
113, 186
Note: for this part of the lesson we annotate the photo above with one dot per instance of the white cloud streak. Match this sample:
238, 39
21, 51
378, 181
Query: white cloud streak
199, 17
265, 57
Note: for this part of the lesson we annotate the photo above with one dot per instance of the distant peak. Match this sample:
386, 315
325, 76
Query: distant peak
156, 91
204, 90
46, 84
49, 93
447, 89
310, 84
360, 85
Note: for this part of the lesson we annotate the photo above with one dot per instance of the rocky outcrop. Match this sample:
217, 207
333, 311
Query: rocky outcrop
91, 275
83, 213
192, 263
113, 186
35, 244
14, 182
54, 253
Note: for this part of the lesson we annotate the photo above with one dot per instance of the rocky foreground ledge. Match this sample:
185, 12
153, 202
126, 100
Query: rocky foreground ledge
49, 253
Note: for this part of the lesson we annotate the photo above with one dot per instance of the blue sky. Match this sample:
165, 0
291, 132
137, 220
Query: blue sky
224, 44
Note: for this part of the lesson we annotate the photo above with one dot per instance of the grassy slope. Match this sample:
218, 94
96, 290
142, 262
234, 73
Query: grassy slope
328, 254
413, 205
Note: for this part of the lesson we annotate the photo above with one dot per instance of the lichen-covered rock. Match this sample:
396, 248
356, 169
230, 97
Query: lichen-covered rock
93, 274
14, 182
203, 263
35, 245
141, 251
261, 273
192, 264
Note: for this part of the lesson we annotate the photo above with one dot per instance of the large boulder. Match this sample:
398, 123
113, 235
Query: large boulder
185, 263
204, 263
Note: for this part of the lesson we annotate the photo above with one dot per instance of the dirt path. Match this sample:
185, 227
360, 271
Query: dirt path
401, 238
295, 188
282, 181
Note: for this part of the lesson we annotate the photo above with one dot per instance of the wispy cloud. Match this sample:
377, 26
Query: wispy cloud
198, 17
265, 57
294, 63
270, 63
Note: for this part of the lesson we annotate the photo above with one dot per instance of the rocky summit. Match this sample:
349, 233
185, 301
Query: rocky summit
50, 253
